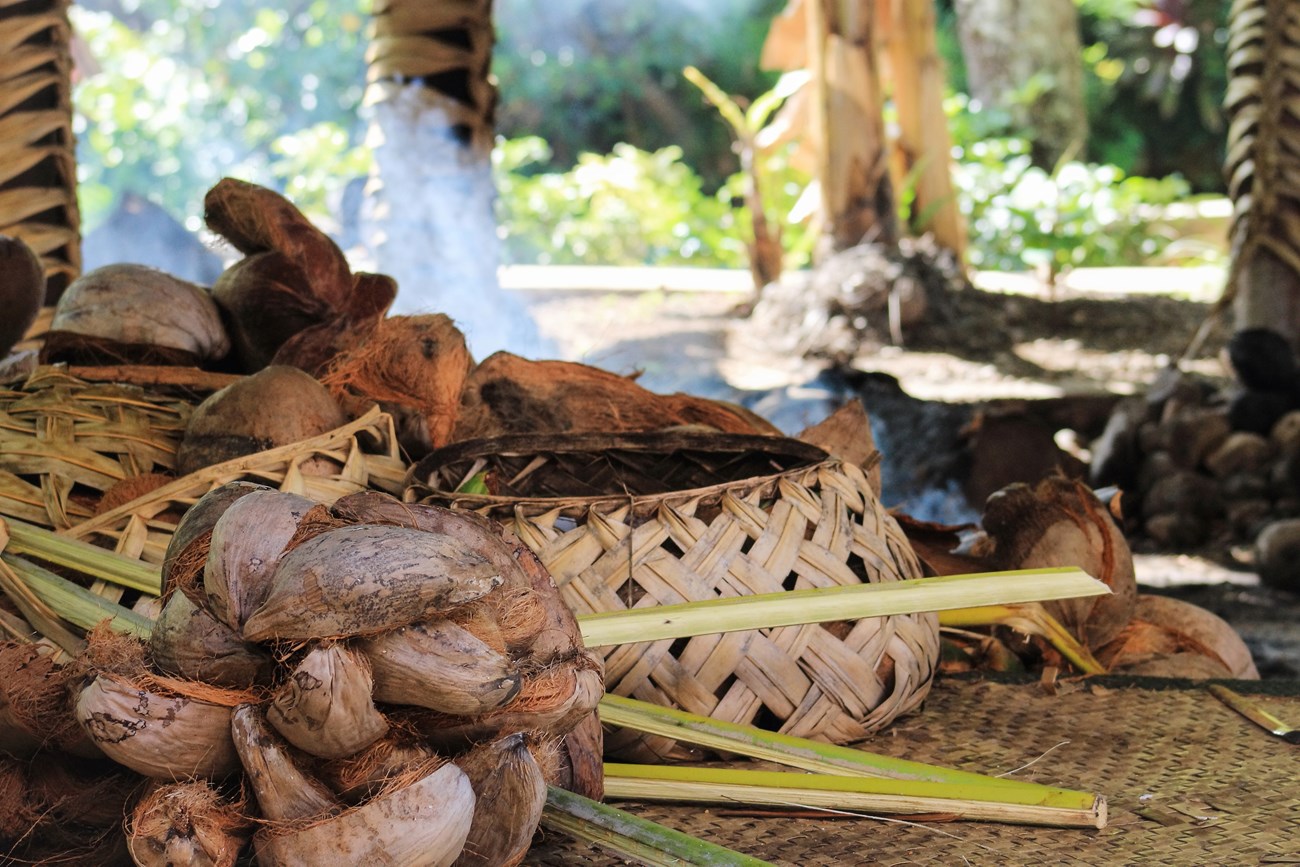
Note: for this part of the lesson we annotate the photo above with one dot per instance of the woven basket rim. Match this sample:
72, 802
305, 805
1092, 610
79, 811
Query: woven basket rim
419, 475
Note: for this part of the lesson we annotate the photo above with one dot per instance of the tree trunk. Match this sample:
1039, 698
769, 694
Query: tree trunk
38, 171
1263, 166
1024, 56
429, 214
847, 124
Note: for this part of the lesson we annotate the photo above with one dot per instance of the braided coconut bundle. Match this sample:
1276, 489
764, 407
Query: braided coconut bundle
390, 682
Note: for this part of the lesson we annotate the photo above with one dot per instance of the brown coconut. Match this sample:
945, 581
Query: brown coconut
187, 825
507, 394
314, 349
268, 300
273, 407
576, 761
246, 545
364, 579
35, 709
22, 290
195, 528
1166, 635
1060, 522
510, 792
190, 643
424, 822
440, 665
285, 792
325, 707
414, 367
134, 313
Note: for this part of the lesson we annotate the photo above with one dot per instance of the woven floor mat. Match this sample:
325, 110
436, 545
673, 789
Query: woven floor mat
1189, 783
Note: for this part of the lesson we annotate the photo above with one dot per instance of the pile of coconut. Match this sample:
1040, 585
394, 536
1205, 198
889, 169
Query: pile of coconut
372, 682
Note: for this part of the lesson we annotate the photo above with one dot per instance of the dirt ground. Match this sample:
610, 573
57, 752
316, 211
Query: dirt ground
980, 346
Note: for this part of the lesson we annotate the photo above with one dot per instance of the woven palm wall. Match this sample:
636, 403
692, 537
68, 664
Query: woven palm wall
38, 173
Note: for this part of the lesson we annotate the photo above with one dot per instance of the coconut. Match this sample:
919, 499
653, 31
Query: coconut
34, 708
442, 666
510, 792
358, 777
1062, 523
187, 825
325, 707
577, 763
507, 394
268, 299
1164, 628
22, 290
415, 368
284, 791
425, 823
197, 523
135, 313
314, 349
366, 579
189, 642
247, 541
162, 728
274, 407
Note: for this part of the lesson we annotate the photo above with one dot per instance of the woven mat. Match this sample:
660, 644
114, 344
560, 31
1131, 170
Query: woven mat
1189, 783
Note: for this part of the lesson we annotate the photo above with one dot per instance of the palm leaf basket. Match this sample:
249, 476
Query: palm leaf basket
632, 521
96, 462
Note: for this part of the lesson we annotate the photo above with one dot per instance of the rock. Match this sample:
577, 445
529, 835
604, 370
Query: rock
1195, 434
1245, 486
1157, 466
1286, 433
1247, 516
1242, 452
1263, 360
1170, 383
1172, 530
1258, 411
1277, 554
1151, 437
1184, 493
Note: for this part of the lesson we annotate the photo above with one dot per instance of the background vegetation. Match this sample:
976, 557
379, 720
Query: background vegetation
608, 155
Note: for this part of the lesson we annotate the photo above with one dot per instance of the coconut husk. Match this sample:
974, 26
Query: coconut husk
35, 710
314, 348
367, 579
510, 792
507, 394
1060, 522
22, 290
268, 298
94, 794
325, 707
197, 524
284, 791
425, 822
558, 635
127, 306
442, 666
187, 825
273, 407
190, 643
56, 812
358, 777
132, 487
1164, 634
479, 619
246, 545
578, 764
415, 368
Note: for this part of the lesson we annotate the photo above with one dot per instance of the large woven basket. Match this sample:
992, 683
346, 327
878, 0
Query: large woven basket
640, 520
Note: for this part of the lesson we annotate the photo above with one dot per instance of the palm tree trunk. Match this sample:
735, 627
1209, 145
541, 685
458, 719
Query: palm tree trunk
38, 172
430, 222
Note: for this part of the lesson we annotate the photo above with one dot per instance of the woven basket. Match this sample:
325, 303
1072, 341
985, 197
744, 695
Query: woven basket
65, 443
666, 518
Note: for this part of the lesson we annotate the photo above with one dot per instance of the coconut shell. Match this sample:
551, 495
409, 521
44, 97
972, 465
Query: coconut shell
190, 643
424, 823
442, 666
158, 733
1062, 523
273, 407
284, 791
360, 776
325, 707
367, 579
187, 825
22, 290
510, 792
507, 394
138, 305
268, 299
1163, 628
198, 522
247, 541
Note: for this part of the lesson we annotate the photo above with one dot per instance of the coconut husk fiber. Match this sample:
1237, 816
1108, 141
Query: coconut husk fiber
1171, 638
35, 710
415, 368
507, 394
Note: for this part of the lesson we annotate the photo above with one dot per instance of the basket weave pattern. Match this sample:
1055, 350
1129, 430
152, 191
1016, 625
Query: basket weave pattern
817, 526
